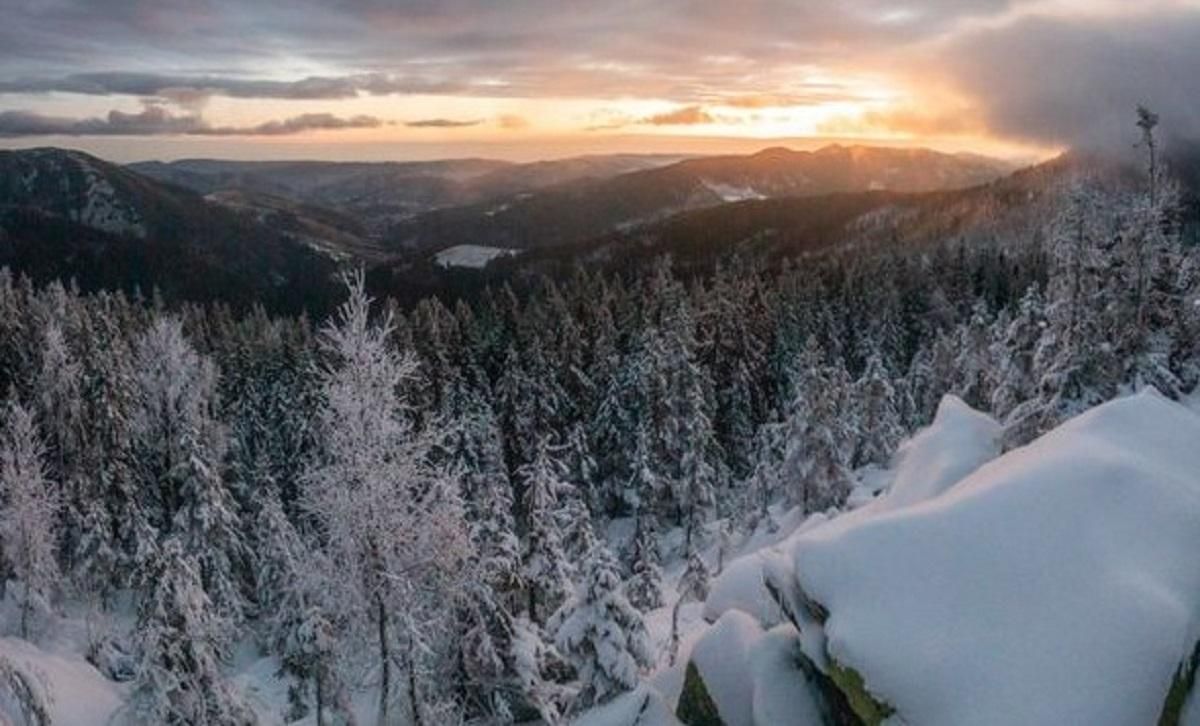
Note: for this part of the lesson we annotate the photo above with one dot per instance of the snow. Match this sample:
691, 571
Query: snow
722, 657
78, 695
472, 256
1055, 584
958, 442
103, 208
740, 587
640, 707
733, 193
780, 699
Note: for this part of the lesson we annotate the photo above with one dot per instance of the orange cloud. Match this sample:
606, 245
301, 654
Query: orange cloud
686, 116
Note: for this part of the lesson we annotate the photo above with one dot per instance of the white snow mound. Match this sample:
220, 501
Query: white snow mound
1056, 584
640, 707
76, 693
958, 442
741, 587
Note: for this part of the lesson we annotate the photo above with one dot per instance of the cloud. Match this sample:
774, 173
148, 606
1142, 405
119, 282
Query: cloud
157, 121
512, 122
190, 88
441, 123
545, 48
907, 120
686, 116
296, 125
1064, 81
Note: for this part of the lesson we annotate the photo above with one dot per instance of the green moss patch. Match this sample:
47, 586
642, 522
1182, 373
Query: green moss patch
850, 683
696, 707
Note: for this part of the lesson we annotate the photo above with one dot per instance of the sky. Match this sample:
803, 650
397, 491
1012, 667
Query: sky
527, 79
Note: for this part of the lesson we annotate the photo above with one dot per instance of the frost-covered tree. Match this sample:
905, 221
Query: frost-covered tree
1014, 350
547, 571
183, 642
389, 518
816, 458
29, 505
58, 408
878, 415
601, 634
692, 587
181, 449
645, 587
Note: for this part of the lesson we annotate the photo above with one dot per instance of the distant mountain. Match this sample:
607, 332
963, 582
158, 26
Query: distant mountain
65, 214
576, 211
380, 194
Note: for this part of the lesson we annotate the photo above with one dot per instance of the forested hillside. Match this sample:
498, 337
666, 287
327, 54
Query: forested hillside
464, 512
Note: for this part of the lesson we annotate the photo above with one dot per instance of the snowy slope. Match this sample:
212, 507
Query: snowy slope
472, 256
1056, 584
76, 693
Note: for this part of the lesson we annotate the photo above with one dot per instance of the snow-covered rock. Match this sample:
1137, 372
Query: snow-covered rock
722, 658
1056, 584
782, 696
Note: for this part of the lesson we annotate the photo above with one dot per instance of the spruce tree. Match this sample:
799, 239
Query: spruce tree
601, 634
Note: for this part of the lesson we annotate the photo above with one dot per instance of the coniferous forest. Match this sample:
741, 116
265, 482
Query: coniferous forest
466, 508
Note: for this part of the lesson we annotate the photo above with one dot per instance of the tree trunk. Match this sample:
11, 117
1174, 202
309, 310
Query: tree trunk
385, 660
413, 697
319, 679
675, 630
25, 608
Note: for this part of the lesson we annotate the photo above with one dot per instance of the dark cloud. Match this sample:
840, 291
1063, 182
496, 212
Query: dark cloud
189, 88
614, 49
441, 123
296, 125
1072, 81
157, 121
686, 116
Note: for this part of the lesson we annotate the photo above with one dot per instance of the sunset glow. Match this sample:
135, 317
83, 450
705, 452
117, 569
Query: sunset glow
535, 79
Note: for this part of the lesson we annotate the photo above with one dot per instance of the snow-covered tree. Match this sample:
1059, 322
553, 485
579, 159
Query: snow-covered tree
29, 505
390, 520
547, 571
645, 587
183, 642
816, 460
692, 587
601, 634
878, 416
181, 449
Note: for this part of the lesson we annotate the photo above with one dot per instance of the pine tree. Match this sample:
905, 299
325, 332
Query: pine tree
878, 418
29, 505
816, 462
547, 569
601, 634
645, 588
181, 448
183, 641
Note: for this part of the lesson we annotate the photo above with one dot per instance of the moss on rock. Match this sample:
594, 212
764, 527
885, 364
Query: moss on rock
850, 683
696, 706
